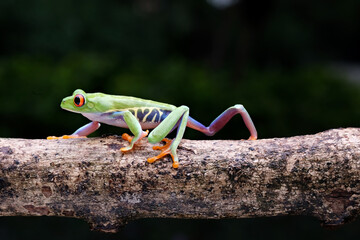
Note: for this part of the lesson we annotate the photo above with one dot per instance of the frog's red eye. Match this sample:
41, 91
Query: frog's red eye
79, 100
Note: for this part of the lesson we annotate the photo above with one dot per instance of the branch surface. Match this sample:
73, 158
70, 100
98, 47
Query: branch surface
316, 175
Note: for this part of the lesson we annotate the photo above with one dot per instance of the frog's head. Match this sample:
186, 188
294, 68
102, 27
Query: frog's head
79, 102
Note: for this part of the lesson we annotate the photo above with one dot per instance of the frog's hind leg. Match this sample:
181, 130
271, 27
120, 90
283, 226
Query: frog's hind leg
221, 120
177, 117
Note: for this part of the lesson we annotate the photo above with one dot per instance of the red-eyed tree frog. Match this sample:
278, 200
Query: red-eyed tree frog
139, 114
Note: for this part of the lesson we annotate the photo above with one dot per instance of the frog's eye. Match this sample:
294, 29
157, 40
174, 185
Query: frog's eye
79, 100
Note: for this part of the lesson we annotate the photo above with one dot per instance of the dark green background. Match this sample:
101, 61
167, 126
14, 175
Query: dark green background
281, 59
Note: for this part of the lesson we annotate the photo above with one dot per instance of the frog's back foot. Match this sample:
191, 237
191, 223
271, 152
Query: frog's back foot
165, 150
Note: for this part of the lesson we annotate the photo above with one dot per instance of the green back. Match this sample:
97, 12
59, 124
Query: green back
100, 102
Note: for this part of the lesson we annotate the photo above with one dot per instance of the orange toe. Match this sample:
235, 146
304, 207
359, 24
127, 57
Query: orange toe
52, 137
125, 149
252, 138
175, 164
161, 155
72, 136
127, 137
167, 144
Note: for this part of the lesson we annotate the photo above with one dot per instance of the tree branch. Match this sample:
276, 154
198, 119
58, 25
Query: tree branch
316, 175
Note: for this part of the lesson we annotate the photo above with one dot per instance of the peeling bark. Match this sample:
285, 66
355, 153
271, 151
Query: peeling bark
316, 175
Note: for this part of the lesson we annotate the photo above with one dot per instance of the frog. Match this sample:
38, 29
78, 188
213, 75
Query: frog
141, 115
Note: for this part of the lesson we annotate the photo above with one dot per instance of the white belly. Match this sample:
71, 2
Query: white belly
118, 122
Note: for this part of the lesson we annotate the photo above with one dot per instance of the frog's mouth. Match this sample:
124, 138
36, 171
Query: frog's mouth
67, 104
70, 110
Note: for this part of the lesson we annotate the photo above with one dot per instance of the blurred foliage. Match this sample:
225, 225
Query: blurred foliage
274, 57
281, 102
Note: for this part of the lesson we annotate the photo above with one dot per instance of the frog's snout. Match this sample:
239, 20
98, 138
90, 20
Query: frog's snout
63, 103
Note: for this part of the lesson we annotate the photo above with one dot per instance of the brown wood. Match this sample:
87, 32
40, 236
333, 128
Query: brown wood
316, 175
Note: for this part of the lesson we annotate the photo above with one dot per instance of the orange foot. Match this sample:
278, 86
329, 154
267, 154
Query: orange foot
252, 138
129, 138
165, 150
65, 137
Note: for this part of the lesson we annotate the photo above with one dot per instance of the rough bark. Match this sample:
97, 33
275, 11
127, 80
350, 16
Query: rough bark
317, 175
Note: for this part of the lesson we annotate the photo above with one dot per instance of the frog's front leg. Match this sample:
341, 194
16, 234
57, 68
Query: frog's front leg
164, 128
134, 126
81, 132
